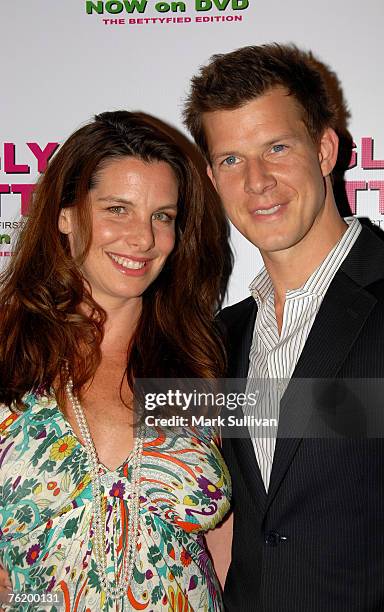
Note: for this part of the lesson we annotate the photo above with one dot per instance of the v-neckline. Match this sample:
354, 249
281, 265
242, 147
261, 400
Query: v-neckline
70, 431
104, 467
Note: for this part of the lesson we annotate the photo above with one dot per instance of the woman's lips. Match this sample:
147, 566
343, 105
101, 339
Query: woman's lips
129, 265
127, 262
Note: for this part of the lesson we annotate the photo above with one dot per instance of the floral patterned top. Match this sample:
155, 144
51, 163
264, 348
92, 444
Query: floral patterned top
46, 531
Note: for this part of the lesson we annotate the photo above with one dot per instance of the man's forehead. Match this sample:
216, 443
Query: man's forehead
272, 115
277, 96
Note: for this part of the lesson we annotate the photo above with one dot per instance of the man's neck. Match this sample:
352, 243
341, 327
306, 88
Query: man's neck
291, 268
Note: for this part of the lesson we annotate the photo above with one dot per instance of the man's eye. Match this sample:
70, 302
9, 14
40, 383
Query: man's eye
116, 210
230, 160
278, 148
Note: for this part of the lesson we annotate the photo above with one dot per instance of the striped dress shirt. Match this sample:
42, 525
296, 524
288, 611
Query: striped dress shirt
273, 358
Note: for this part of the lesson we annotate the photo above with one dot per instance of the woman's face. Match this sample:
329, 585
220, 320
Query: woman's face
133, 209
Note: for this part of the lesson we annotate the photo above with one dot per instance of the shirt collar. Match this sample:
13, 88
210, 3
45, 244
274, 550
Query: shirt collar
261, 287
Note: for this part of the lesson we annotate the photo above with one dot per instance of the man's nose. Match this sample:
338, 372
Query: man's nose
258, 177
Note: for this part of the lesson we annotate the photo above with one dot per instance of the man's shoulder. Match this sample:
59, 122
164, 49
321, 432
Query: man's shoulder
365, 262
238, 313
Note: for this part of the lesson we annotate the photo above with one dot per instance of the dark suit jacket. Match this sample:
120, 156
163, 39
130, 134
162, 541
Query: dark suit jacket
315, 542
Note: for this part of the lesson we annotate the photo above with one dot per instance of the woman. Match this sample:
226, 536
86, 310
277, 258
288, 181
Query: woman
117, 275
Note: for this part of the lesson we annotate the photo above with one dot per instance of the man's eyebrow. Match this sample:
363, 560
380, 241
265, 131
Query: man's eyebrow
229, 152
279, 138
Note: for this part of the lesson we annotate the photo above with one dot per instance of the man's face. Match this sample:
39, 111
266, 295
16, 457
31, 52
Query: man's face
268, 171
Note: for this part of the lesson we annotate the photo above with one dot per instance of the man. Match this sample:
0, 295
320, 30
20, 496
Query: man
308, 511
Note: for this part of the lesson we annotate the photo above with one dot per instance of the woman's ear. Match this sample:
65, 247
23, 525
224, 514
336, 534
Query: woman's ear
65, 220
211, 176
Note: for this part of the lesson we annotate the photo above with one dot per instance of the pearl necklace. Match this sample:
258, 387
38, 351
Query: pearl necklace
119, 589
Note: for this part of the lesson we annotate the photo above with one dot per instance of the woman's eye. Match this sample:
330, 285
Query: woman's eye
230, 160
116, 210
162, 216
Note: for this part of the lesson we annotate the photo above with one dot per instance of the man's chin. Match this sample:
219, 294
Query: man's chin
274, 244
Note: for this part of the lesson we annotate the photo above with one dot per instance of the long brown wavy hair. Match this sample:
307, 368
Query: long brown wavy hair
43, 331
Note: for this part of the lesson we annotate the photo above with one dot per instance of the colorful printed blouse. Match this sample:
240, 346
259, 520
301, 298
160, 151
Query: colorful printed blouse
46, 531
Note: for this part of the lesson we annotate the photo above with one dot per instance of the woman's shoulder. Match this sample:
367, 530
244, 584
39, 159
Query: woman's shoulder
27, 442
37, 408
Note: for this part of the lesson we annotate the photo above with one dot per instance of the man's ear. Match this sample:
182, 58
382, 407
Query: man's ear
210, 174
65, 220
328, 150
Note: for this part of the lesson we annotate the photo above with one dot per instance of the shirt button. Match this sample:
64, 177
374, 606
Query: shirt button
273, 538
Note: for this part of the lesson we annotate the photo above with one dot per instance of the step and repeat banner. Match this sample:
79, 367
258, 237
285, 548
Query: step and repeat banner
64, 61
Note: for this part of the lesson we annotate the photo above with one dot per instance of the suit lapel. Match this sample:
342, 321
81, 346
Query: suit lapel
241, 341
338, 323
